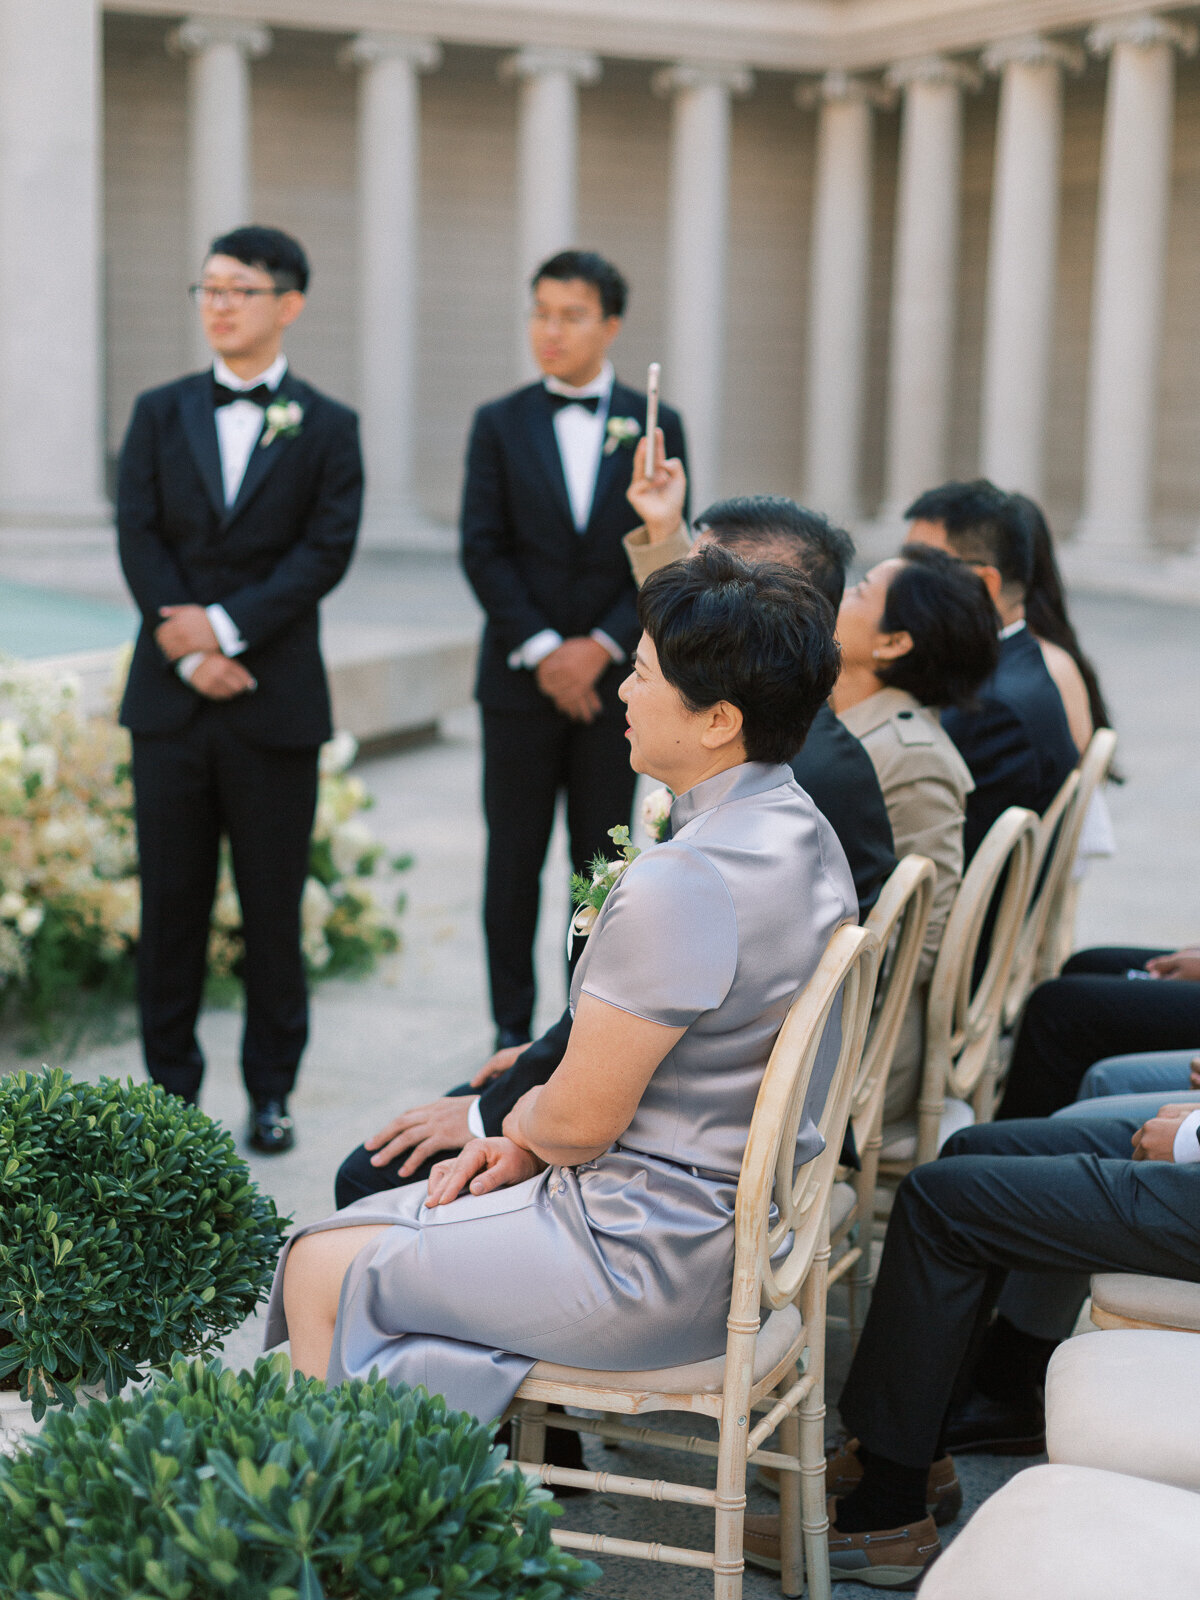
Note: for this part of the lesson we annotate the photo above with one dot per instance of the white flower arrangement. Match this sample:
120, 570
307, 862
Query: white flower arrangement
656, 813
620, 431
282, 419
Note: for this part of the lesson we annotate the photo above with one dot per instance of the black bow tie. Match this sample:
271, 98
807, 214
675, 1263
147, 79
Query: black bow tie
589, 402
260, 395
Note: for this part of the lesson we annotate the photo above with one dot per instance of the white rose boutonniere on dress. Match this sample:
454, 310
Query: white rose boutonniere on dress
621, 431
656, 814
282, 420
589, 894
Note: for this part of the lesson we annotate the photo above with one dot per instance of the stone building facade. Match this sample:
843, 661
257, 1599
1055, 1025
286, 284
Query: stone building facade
874, 242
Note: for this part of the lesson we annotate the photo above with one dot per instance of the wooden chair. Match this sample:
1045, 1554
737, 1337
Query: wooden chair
1053, 859
898, 921
1058, 931
963, 1019
780, 1261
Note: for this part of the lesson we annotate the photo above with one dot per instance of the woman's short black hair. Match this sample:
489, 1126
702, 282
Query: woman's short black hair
945, 607
756, 634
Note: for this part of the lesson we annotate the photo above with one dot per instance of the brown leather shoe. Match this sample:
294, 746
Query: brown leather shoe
843, 1472
890, 1558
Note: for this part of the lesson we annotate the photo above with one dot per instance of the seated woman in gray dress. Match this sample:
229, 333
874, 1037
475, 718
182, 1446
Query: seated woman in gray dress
598, 1230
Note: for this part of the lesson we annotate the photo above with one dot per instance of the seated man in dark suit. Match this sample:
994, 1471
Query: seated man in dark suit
1017, 741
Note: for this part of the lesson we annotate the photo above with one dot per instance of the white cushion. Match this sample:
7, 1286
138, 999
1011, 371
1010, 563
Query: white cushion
841, 1203
1072, 1533
775, 1338
1127, 1401
900, 1140
1170, 1302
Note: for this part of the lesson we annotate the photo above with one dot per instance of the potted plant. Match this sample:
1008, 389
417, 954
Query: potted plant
129, 1230
211, 1485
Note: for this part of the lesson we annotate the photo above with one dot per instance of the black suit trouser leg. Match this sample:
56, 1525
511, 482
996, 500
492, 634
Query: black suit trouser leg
1048, 1196
600, 785
1080, 1018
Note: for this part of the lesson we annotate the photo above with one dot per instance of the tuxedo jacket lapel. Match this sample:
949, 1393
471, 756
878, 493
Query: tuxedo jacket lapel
545, 444
622, 403
200, 428
264, 457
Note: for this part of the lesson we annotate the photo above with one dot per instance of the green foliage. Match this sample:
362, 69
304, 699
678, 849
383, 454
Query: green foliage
216, 1486
129, 1230
594, 891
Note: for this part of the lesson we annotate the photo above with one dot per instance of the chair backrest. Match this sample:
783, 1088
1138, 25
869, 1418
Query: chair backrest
1058, 928
801, 1196
898, 920
963, 1017
1053, 857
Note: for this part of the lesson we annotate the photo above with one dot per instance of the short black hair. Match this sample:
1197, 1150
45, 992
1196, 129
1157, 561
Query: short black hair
270, 249
982, 525
946, 610
757, 634
770, 527
591, 268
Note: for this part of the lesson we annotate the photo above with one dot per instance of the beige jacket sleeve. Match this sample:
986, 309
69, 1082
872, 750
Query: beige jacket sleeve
645, 558
927, 820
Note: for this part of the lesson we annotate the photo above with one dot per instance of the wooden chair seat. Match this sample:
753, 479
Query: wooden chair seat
1131, 1300
900, 1138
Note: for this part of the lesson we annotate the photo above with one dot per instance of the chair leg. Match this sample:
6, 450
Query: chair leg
791, 1577
812, 1435
529, 1445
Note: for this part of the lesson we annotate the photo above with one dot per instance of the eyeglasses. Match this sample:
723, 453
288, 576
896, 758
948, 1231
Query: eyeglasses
207, 294
562, 319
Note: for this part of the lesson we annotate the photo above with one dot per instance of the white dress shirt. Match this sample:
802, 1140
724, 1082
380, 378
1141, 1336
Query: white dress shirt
1011, 629
239, 427
1187, 1140
580, 436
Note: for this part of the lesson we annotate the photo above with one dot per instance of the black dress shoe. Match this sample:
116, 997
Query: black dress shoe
271, 1130
510, 1038
983, 1426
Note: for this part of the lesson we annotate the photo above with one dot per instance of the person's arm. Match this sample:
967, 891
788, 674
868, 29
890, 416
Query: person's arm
319, 558
150, 570
1180, 964
927, 820
533, 1066
1172, 1135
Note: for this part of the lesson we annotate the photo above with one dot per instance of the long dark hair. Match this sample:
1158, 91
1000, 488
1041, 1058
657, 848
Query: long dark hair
1046, 606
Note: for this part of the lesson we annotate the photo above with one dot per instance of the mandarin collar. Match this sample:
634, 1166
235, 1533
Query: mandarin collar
735, 783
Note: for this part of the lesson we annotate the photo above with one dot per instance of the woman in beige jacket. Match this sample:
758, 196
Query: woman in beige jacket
917, 634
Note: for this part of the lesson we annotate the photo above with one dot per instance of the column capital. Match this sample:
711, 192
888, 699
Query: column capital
1032, 50
838, 87
533, 61
932, 69
200, 33
700, 75
1144, 29
365, 49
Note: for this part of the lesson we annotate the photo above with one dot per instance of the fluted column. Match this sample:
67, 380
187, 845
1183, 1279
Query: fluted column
389, 113
697, 248
840, 275
219, 179
1127, 297
1022, 253
50, 317
547, 163
925, 275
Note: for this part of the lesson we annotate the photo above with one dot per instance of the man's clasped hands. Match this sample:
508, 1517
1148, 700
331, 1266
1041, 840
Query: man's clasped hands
186, 631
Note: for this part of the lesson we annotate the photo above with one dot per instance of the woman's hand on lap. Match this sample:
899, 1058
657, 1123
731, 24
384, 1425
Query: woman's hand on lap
481, 1166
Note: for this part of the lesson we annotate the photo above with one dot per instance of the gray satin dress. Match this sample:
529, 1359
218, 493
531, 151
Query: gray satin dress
625, 1262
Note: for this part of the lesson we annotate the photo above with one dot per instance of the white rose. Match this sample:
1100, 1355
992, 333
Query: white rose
30, 920
316, 907
42, 759
339, 753
348, 844
656, 808
12, 905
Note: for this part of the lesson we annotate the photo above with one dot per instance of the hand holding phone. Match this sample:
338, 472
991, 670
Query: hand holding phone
651, 416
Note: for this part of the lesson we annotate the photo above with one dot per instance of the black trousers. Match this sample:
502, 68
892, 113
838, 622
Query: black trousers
1093, 1010
528, 758
191, 788
1049, 1196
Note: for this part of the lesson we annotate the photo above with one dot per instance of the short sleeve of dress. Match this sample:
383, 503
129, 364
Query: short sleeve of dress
665, 945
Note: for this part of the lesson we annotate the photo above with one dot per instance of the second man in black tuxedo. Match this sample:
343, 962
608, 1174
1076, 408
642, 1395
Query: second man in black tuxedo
544, 512
237, 509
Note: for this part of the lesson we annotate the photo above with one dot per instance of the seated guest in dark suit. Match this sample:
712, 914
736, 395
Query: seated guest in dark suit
832, 768
1095, 1009
1060, 1197
1016, 741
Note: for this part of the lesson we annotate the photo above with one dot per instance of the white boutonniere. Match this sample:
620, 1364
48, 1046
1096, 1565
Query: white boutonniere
282, 420
656, 814
589, 894
621, 431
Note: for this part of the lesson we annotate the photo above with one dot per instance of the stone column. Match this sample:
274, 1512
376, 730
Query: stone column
1127, 296
547, 163
840, 271
1022, 254
219, 178
50, 316
697, 244
925, 276
389, 112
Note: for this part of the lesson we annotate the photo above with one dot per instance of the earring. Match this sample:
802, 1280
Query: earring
875, 654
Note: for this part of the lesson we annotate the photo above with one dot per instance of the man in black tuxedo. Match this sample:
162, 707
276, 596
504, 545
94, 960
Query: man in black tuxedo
1016, 741
237, 509
543, 514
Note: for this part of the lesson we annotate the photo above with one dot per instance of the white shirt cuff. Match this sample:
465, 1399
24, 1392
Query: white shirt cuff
223, 625
474, 1120
1187, 1140
609, 643
186, 665
534, 650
